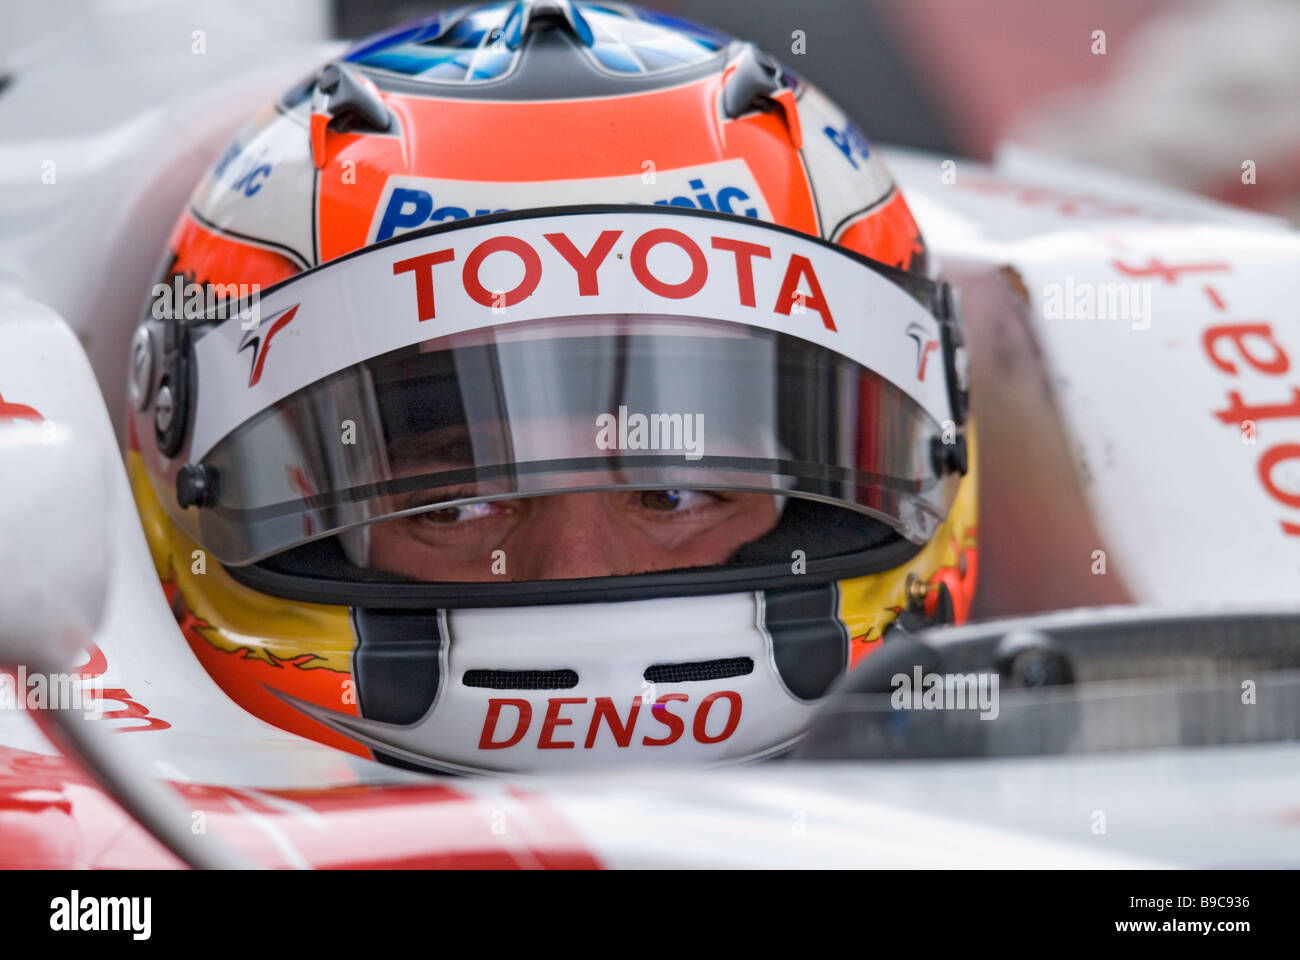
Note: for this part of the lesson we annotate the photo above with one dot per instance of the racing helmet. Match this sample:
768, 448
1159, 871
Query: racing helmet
550, 384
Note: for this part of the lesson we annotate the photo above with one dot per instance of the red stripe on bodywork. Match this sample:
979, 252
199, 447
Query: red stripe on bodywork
53, 815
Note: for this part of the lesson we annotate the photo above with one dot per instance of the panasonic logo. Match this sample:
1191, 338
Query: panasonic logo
410, 203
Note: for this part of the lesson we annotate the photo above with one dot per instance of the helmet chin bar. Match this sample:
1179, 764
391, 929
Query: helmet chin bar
737, 678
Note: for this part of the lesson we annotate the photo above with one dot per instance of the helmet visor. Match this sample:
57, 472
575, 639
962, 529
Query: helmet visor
666, 431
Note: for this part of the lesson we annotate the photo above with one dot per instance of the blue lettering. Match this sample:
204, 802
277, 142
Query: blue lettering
244, 173
840, 140
449, 213
248, 183
850, 142
232, 151
705, 202
395, 218
728, 194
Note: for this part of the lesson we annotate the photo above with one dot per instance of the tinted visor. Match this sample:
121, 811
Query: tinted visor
546, 407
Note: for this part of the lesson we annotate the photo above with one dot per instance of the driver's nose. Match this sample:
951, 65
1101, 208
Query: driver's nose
568, 536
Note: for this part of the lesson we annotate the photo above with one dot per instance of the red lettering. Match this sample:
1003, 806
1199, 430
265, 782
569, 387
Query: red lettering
422, 266
1238, 332
585, 265
744, 254
96, 665
702, 716
1167, 272
674, 723
485, 741
1271, 459
521, 249
130, 710
622, 731
675, 291
799, 267
553, 720
17, 411
1238, 412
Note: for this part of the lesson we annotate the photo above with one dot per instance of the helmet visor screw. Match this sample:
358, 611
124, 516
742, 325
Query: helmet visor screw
141, 367
164, 409
916, 592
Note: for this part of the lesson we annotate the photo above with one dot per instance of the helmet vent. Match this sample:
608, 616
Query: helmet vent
700, 670
521, 679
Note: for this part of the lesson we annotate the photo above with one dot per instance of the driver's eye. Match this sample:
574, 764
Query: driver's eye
451, 515
666, 501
